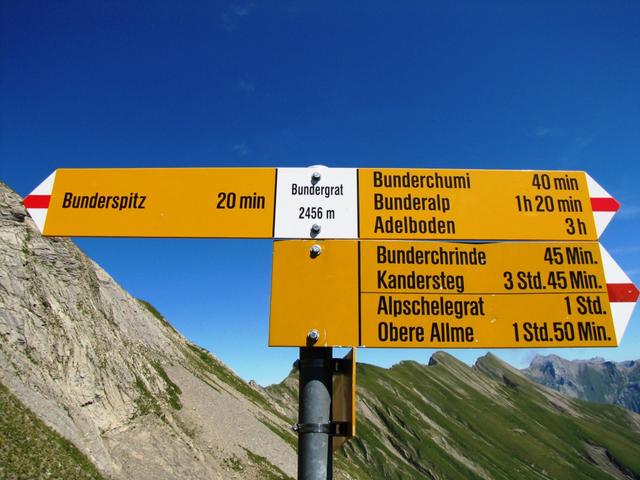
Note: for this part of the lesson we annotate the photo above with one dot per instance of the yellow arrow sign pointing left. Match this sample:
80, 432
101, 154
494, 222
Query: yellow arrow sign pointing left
156, 202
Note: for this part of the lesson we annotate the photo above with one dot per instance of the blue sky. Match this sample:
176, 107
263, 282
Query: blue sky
432, 84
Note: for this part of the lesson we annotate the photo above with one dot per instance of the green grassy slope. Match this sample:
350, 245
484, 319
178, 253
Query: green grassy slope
452, 421
31, 450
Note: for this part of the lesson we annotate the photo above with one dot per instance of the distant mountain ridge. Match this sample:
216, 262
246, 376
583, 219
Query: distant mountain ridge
596, 380
107, 381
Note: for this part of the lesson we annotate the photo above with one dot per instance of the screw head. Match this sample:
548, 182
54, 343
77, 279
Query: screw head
315, 176
313, 335
315, 228
315, 250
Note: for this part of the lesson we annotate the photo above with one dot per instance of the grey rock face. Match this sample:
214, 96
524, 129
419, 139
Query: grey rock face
97, 366
595, 380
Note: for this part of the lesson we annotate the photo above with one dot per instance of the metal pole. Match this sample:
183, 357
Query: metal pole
314, 414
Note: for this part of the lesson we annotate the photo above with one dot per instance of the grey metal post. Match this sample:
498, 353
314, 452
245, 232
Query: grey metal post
314, 414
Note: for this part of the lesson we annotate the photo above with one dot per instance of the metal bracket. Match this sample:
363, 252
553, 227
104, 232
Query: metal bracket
341, 366
310, 363
341, 429
335, 429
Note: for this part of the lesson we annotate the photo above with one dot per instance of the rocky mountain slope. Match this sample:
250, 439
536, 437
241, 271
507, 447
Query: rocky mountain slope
98, 381
110, 375
596, 380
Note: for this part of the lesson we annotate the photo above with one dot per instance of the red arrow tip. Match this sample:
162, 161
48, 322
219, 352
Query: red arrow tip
622, 292
36, 201
604, 204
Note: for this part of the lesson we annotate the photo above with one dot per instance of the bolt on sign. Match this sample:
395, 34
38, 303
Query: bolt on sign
448, 295
320, 202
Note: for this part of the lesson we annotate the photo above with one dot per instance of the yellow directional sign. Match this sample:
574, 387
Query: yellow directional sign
320, 202
476, 205
314, 292
159, 202
443, 295
486, 321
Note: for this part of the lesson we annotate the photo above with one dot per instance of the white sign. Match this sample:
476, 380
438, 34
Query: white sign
316, 202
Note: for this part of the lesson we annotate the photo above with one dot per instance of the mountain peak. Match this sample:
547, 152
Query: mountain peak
441, 357
490, 361
596, 379
539, 359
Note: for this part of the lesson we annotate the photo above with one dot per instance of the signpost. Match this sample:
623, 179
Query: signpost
379, 260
